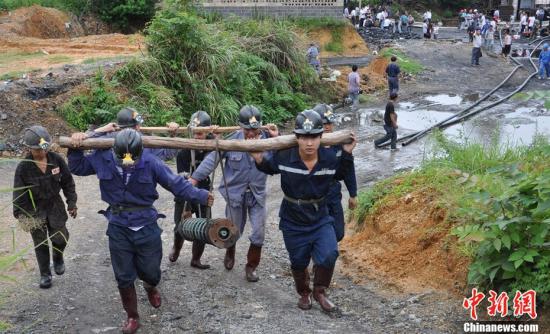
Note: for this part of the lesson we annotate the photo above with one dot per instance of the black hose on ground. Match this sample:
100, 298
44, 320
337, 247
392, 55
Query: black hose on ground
462, 116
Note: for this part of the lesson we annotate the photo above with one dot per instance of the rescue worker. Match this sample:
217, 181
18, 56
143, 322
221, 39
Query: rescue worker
313, 58
37, 203
128, 177
128, 117
334, 197
243, 188
392, 72
187, 161
307, 173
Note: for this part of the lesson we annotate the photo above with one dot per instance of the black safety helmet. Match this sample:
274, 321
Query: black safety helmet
308, 122
128, 147
250, 117
37, 137
325, 111
128, 118
200, 118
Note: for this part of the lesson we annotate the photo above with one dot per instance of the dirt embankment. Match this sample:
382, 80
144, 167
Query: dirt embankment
405, 243
38, 38
353, 44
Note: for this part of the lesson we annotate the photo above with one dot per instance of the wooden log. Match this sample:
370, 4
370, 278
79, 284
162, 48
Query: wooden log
255, 145
185, 129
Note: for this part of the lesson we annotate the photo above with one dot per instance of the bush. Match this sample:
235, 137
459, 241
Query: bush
99, 105
499, 207
123, 13
221, 67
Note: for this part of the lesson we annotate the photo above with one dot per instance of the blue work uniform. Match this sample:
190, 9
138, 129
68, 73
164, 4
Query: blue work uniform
163, 154
134, 235
246, 188
307, 227
313, 58
334, 197
393, 71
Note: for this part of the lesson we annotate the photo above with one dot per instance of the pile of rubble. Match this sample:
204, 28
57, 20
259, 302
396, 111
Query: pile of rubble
382, 37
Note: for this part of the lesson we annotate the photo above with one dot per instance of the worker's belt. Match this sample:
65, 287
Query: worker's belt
314, 202
118, 209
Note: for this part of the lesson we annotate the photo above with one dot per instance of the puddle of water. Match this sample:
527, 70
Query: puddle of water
444, 99
406, 105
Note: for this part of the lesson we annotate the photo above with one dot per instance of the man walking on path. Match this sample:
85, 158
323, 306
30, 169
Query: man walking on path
476, 50
390, 124
354, 86
128, 178
313, 58
307, 172
544, 62
243, 187
187, 162
37, 203
392, 72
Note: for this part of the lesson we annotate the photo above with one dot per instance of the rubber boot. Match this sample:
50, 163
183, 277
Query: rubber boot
229, 260
176, 248
301, 280
253, 260
153, 294
129, 302
321, 282
58, 263
196, 254
43, 258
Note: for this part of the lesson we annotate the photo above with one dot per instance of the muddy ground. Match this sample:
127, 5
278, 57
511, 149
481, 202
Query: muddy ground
85, 299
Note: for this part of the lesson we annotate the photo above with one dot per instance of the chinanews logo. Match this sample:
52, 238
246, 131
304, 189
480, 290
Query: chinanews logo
523, 304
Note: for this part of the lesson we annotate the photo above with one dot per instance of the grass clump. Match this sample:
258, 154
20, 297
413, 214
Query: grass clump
221, 67
499, 208
58, 59
407, 64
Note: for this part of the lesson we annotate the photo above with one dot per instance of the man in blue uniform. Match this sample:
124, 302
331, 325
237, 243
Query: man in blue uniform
392, 72
334, 197
128, 177
187, 162
307, 173
313, 58
243, 188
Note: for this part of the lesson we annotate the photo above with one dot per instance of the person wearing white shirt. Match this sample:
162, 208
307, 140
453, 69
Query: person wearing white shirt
531, 23
353, 17
523, 22
476, 50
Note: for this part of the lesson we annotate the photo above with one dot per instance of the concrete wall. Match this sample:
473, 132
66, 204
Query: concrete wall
275, 8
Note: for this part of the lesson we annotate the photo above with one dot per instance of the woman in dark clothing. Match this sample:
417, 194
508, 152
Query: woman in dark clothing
37, 203
390, 125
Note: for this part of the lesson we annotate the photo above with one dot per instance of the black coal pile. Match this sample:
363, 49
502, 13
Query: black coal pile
383, 37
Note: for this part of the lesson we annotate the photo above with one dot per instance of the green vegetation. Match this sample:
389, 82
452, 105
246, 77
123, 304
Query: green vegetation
58, 59
336, 42
312, 23
499, 208
98, 106
74, 6
193, 65
542, 95
407, 64
16, 74
11, 56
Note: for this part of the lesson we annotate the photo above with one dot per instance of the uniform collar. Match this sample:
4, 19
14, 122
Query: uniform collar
295, 155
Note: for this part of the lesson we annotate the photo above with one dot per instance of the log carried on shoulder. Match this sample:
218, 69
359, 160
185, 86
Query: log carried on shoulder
208, 129
254, 145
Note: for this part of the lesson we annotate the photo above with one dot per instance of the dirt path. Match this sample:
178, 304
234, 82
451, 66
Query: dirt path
85, 299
